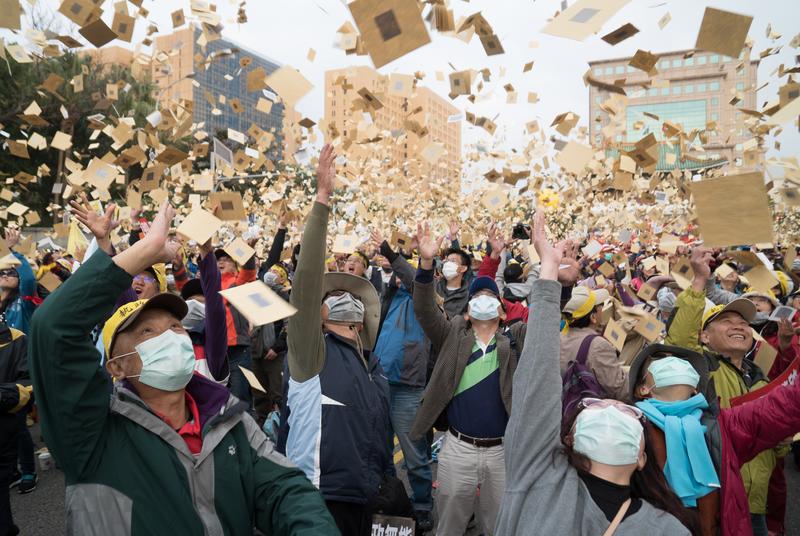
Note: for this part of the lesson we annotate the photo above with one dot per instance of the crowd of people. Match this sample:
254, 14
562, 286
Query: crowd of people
559, 390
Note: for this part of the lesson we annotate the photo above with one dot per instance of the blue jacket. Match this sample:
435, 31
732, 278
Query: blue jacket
402, 347
20, 311
338, 424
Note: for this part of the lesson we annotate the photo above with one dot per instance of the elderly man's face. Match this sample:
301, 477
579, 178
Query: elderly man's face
149, 324
728, 334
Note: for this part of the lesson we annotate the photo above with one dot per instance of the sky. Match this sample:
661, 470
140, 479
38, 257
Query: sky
284, 30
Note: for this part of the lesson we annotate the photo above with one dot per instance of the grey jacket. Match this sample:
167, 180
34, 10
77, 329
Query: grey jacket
455, 301
544, 494
454, 340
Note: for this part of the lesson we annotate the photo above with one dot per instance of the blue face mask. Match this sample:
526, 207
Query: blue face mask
167, 361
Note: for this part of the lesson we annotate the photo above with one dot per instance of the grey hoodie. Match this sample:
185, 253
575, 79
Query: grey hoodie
544, 494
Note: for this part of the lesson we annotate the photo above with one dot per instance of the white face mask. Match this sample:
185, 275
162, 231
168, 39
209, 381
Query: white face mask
196, 317
484, 307
167, 361
449, 270
608, 436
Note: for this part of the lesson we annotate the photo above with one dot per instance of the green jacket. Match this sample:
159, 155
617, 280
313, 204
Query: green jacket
126, 470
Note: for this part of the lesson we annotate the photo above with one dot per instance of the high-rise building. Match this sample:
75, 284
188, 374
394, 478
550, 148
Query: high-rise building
214, 78
399, 131
706, 95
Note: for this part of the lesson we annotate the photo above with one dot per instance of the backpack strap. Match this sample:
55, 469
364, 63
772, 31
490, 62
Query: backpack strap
583, 351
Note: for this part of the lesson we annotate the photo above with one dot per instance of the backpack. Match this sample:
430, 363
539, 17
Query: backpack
579, 381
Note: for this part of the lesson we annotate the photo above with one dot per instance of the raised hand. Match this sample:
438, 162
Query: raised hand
428, 245
454, 228
495, 240
549, 254
376, 238
100, 225
12, 237
161, 246
326, 173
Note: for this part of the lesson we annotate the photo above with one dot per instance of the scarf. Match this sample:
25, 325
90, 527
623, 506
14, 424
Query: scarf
689, 469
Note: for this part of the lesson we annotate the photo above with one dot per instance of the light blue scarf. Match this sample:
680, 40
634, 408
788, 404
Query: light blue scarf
689, 469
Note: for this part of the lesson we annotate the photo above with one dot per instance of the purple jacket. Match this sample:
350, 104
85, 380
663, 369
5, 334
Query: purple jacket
215, 345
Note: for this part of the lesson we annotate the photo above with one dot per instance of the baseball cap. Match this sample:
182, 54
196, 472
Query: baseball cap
483, 282
584, 300
127, 314
742, 306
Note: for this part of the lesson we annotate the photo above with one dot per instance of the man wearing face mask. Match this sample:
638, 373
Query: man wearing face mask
173, 452
471, 382
337, 397
205, 318
454, 285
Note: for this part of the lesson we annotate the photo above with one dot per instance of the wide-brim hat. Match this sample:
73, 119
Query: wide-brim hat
363, 290
698, 362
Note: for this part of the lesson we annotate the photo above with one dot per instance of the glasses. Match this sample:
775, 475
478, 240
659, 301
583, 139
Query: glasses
9, 273
600, 403
144, 279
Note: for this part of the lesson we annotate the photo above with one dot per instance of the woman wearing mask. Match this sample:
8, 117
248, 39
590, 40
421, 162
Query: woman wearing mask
597, 481
684, 424
17, 288
205, 319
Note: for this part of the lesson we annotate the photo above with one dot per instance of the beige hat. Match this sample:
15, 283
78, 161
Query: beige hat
584, 300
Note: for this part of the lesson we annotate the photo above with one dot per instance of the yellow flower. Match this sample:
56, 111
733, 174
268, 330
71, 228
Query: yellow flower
548, 198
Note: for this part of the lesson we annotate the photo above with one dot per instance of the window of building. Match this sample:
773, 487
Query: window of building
713, 86
714, 58
688, 88
676, 63
701, 88
598, 99
701, 60
665, 64
726, 59
714, 116
688, 62
739, 147
740, 86
609, 70
598, 127
738, 115
689, 114
629, 69
598, 71
618, 137
714, 101
664, 91
652, 92
619, 69
676, 90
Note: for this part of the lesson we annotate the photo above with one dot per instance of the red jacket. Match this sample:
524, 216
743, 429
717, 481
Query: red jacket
784, 357
514, 310
745, 431
244, 275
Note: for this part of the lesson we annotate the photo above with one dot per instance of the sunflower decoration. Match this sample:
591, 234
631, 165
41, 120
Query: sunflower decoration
548, 198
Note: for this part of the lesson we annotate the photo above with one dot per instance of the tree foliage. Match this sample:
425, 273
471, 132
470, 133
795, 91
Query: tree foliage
68, 111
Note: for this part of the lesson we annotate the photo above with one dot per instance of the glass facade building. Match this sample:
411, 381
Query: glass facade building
225, 77
689, 115
696, 90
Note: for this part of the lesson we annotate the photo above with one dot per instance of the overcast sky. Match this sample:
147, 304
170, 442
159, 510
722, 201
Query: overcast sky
285, 30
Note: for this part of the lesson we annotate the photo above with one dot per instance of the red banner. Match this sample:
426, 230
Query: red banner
790, 376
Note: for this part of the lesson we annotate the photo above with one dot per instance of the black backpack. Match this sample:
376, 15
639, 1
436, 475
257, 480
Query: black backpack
579, 381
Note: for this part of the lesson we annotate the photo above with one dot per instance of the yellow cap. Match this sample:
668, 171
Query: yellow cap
743, 306
126, 314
